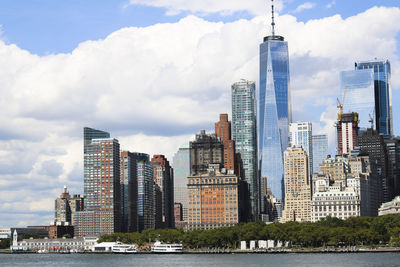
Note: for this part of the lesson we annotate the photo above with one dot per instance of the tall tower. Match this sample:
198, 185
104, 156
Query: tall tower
223, 131
300, 135
244, 133
347, 132
129, 193
274, 109
320, 150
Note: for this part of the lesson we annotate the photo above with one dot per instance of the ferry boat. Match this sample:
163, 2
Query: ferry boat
159, 247
123, 248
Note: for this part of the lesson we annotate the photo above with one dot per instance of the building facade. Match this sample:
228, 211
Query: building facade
223, 132
320, 150
347, 132
65, 207
244, 133
391, 207
300, 135
274, 113
145, 192
297, 205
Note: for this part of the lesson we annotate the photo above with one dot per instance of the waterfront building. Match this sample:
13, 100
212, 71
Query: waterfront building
383, 93
206, 149
129, 192
164, 177
102, 208
274, 114
300, 135
319, 150
181, 163
214, 199
391, 207
66, 206
347, 132
297, 205
244, 133
145, 192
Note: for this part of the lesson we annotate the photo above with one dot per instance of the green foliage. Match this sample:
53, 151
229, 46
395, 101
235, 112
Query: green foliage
355, 231
5, 243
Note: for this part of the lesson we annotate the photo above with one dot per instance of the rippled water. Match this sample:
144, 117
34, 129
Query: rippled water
294, 260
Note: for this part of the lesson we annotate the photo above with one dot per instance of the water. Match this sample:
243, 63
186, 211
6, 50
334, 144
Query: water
248, 260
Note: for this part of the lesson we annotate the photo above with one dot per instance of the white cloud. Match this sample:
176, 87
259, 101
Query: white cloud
153, 88
205, 7
331, 4
304, 6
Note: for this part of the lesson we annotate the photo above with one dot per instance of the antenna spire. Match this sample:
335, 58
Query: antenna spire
273, 22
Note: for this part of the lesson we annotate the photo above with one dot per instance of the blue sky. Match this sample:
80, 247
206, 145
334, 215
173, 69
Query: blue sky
155, 72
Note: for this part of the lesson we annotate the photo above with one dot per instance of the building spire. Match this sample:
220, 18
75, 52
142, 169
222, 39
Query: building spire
273, 22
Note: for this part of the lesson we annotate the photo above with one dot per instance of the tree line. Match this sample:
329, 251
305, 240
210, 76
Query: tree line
354, 231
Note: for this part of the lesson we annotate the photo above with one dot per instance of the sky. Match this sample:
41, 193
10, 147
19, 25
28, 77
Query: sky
155, 72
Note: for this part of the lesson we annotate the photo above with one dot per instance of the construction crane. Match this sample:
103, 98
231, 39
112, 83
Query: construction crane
340, 104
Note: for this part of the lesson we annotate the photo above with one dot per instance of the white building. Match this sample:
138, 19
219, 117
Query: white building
391, 207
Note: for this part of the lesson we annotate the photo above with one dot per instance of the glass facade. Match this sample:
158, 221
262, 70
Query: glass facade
181, 164
320, 150
145, 192
244, 133
360, 95
383, 93
300, 135
274, 111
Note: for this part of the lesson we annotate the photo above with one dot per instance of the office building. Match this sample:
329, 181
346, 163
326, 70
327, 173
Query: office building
244, 133
129, 192
297, 206
274, 113
181, 163
206, 149
145, 192
178, 212
300, 135
223, 132
347, 132
66, 206
320, 150
164, 177
393, 168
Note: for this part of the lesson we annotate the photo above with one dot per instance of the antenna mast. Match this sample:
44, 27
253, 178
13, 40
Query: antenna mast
273, 22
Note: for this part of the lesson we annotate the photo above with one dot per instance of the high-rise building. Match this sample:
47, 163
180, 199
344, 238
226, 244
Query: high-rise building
274, 114
206, 149
347, 132
129, 192
66, 206
244, 133
320, 150
101, 185
145, 192
393, 156
164, 177
300, 135
181, 163
383, 93
297, 206
223, 132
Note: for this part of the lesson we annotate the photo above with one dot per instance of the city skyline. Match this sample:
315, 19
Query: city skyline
50, 97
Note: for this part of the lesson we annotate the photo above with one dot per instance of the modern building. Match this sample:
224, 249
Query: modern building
145, 192
297, 205
163, 176
206, 149
129, 192
383, 93
320, 150
102, 207
181, 163
347, 132
391, 207
66, 206
300, 135
244, 133
214, 199
274, 113
158, 207
393, 156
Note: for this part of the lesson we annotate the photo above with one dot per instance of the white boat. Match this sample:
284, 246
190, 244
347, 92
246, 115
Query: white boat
123, 248
159, 247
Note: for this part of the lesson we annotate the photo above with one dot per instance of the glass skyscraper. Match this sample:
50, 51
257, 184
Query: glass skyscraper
300, 135
181, 163
320, 150
145, 192
244, 133
274, 114
359, 95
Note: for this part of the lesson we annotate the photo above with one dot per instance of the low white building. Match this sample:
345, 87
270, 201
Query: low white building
391, 207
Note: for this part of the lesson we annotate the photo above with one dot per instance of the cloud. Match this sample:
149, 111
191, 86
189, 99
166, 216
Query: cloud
304, 6
331, 4
153, 88
206, 7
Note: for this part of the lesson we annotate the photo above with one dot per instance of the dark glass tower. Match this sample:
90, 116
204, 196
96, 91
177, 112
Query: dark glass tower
274, 110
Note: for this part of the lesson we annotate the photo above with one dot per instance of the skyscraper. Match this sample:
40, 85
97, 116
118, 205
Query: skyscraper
145, 192
244, 133
223, 131
66, 206
274, 112
347, 132
300, 135
181, 163
368, 92
320, 150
